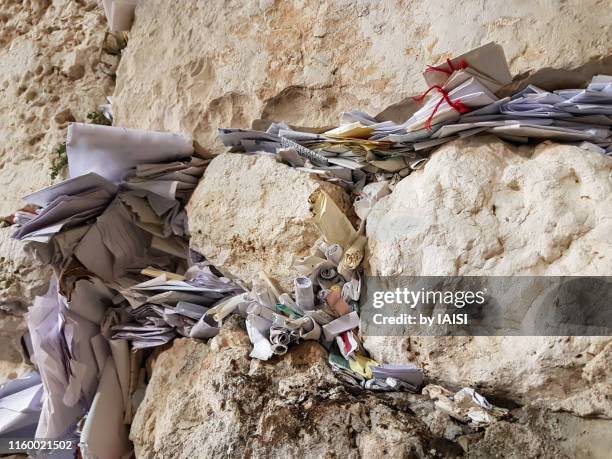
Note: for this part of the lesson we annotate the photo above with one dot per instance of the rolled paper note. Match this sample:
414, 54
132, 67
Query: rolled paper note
308, 333
258, 330
279, 336
352, 289
205, 328
279, 349
262, 292
294, 336
319, 248
305, 328
328, 273
260, 310
339, 325
353, 255
304, 294
286, 299
334, 253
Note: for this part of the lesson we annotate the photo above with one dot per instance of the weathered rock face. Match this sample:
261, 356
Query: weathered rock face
540, 433
567, 373
12, 362
480, 207
48, 53
20, 281
251, 213
211, 400
229, 63
20, 278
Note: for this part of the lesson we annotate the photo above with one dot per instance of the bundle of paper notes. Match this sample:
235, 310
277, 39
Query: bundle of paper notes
460, 102
325, 302
115, 234
110, 232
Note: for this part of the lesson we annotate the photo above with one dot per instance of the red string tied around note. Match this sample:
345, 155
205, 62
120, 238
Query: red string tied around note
347, 342
459, 106
460, 66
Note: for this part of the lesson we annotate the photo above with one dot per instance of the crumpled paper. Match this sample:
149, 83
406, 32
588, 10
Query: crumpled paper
466, 405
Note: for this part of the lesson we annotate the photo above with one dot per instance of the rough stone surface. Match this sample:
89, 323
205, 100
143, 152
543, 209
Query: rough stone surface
20, 281
48, 55
482, 207
202, 65
229, 63
20, 278
535, 432
12, 361
212, 400
251, 213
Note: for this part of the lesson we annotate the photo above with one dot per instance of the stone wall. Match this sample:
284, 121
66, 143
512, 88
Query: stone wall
194, 66
49, 56
305, 62
251, 214
211, 400
206, 64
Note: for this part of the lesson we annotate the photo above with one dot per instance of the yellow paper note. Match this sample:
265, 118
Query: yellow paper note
335, 227
152, 272
350, 131
362, 365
